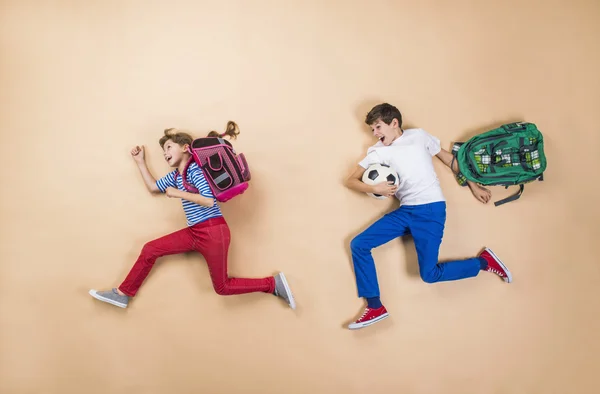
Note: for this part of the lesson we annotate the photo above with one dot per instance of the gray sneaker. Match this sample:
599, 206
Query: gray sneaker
282, 289
111, 296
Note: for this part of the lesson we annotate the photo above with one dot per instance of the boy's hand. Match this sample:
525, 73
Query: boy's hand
138, 154
171, 192
481, 193
386, 189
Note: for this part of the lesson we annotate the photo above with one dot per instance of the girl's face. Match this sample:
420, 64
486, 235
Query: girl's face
173, 153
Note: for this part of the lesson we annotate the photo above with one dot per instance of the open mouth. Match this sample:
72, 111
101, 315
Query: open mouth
168, 158
382, 138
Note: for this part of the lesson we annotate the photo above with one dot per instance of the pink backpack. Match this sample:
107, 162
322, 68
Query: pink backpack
226, 172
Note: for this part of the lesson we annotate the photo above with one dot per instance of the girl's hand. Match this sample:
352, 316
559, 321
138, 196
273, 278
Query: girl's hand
171, 192
138, 154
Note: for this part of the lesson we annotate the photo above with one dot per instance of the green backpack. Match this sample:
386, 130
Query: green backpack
512, 154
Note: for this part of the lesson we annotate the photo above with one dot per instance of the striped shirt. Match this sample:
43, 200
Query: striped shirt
193, 212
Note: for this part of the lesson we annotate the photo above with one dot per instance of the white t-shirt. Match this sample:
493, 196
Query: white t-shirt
411, 156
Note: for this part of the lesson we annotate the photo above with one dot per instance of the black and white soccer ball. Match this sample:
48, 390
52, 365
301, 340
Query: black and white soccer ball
377, 173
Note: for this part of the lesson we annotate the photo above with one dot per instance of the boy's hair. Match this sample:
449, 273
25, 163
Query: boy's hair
384, 112
182, 137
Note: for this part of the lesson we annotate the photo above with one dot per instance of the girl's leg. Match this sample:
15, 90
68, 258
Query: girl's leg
213, 243
178, 242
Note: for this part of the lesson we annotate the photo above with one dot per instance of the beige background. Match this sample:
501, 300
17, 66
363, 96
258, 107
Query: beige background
83, 82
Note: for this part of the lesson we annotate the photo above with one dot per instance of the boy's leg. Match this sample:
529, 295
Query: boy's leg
178, 242
213, 243
390, 226
427, 229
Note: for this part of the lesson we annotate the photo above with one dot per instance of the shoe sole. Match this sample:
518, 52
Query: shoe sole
508, 278
97, 296
288, 291
370, 322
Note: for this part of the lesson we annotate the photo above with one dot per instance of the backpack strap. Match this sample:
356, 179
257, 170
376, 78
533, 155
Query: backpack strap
493, 156
460, 178
186, 185
511, 198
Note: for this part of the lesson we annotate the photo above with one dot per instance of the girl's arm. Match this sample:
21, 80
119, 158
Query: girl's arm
138, 155
149, 180
193, 197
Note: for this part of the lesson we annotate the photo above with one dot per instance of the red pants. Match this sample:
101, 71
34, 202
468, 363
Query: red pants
211, 238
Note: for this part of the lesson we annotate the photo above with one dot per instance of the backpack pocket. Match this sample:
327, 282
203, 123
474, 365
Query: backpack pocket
217, 173
244, 169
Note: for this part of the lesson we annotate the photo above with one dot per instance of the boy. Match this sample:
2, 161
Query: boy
422, 210
207, 231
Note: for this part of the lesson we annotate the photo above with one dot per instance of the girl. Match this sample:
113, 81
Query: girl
206, 231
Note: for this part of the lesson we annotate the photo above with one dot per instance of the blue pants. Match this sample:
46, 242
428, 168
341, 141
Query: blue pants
426, 225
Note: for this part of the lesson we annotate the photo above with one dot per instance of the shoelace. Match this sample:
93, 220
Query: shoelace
364, 313
495, 271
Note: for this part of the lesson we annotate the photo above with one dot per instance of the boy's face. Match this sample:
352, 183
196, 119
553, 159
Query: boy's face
384, 132
174, 153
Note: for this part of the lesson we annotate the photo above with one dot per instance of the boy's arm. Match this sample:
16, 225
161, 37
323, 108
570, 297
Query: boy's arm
482, 194
193, 197
446, 158
354, 182
149, 180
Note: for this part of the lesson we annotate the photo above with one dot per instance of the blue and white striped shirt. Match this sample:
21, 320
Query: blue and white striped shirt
193, 212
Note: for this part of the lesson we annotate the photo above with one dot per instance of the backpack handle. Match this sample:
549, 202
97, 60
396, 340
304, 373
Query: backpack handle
516, 126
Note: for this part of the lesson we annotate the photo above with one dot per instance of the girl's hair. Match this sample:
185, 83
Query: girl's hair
182, 137
232, 130
177, 136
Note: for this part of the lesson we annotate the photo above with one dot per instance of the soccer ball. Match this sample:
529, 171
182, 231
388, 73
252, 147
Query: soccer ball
377, 173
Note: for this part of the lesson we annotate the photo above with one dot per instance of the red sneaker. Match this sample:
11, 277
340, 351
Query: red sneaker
370, 316
495, 265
